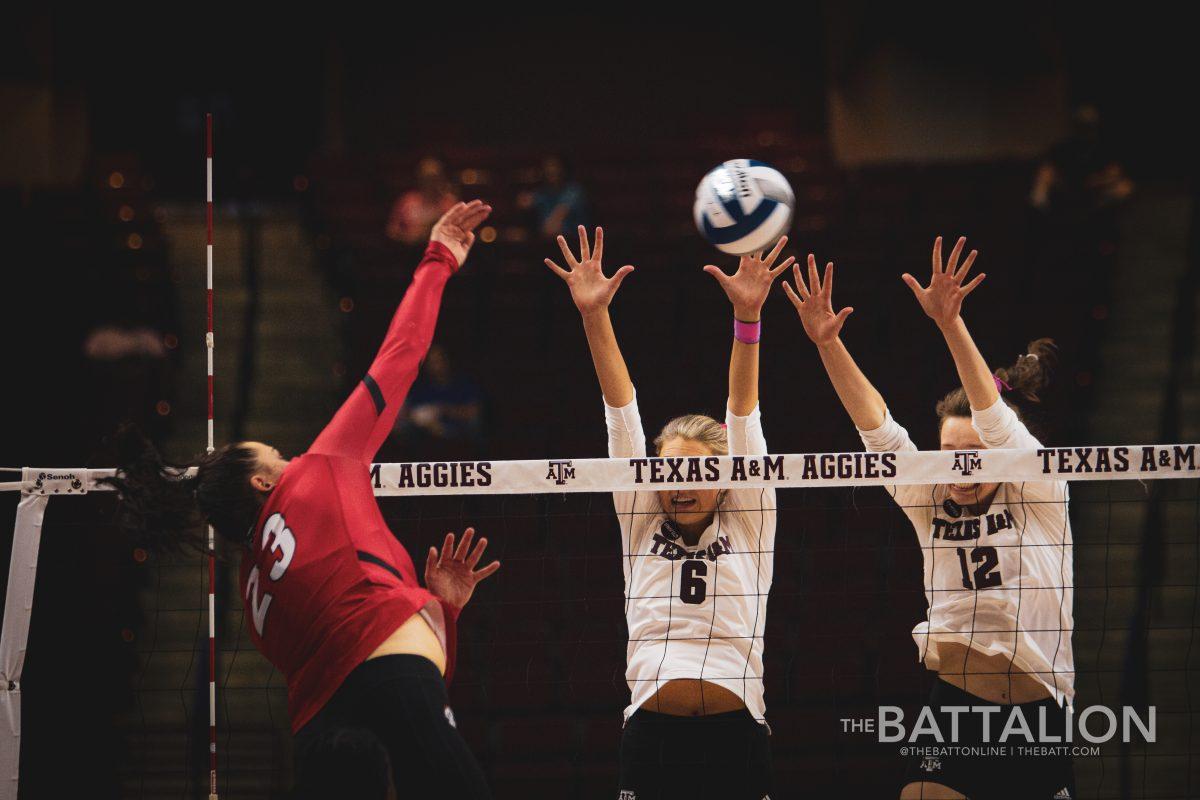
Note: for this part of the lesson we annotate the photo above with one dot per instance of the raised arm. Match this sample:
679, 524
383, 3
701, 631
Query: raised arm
592, 292
747, 290
942, 301
814, 304
363, 422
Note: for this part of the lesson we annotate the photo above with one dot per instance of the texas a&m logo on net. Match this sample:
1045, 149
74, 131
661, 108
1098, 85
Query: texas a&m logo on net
560, 471
966, 462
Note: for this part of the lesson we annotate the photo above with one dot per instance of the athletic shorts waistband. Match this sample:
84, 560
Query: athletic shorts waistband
394, 665
658, 718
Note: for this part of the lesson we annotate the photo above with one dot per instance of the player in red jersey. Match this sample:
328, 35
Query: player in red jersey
331, 596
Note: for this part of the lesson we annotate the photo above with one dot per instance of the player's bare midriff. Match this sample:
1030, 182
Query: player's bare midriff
991, 677
415, 637
689, 697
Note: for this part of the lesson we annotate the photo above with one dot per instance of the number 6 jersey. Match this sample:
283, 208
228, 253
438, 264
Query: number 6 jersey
695, 611
1002, 582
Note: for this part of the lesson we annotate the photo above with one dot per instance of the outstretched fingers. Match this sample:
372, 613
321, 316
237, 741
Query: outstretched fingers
474, 214
913, 284
431, 561
966, 266
800, 294
585, 249
598, 253
814, 278
459, 213
970, 287
490, 569
464, 545
786, 263
952, 261
566, 251
453, 212
619, 276
792, 296
775, 251
559, 271
801, 286
717, 273
477, 552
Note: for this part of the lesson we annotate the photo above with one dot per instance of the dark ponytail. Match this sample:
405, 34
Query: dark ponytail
164, 509
1031, 374
1025, 379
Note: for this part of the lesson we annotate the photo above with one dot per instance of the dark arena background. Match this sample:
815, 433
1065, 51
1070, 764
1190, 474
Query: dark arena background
1061, 143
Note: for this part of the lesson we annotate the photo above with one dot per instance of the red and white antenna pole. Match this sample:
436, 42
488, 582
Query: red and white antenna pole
212, 561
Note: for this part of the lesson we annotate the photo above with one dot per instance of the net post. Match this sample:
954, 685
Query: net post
212, 577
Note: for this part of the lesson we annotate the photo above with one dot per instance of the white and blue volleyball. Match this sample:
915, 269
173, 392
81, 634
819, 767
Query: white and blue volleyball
743, 205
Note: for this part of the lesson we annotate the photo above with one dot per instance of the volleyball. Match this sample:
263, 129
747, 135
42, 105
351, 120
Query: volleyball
743, 205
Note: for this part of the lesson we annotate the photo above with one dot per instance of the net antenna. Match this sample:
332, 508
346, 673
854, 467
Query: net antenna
212, 560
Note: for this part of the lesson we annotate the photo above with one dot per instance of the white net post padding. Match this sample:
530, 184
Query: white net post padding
36, 487
18, 606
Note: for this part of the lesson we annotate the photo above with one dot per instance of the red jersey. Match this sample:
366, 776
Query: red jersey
324, 582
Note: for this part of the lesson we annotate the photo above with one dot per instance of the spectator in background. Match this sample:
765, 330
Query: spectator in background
560, 205
1080, 174
415, 211
113, 343
442, 404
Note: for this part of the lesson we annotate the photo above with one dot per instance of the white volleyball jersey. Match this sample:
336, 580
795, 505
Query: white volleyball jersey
695, 611
1001, 582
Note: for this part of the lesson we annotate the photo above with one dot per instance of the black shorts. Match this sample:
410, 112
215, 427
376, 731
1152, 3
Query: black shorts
985, 773
725, 756
400, 701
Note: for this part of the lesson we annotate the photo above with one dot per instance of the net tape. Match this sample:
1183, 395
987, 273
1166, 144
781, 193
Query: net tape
796, 470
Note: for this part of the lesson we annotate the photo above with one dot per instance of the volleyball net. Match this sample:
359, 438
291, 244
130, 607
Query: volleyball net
540, 685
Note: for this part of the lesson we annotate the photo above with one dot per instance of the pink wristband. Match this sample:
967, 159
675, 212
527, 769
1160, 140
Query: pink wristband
747, 332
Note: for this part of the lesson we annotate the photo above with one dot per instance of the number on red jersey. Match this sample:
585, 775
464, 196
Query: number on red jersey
283, 544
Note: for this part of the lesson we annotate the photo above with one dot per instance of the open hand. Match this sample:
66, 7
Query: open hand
590, 289
451, 574
748, 288
456, 228
814, 303
942, 300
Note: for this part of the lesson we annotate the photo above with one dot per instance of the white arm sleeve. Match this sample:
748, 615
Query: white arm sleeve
745, 433
626, 439
888, 437
916, 501
756, 506
625, 436
1000, 428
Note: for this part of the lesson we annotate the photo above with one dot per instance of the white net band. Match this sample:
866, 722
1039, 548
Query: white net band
787, 471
